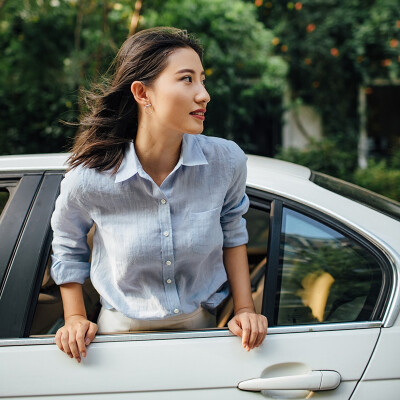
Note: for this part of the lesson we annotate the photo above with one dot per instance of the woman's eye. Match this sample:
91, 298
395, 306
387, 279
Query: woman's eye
187, 78
204, 82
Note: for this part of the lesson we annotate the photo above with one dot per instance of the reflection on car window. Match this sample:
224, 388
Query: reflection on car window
257, 221
4, 196
325, 275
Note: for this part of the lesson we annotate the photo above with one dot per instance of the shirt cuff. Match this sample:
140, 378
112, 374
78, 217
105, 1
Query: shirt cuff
235, 233
69, 271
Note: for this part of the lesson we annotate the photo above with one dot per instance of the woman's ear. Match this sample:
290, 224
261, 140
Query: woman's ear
139, 92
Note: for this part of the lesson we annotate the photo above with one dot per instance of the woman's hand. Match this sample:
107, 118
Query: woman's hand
251, 327
75, 335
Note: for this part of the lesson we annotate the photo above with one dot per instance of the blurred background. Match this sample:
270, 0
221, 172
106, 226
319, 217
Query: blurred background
315, 82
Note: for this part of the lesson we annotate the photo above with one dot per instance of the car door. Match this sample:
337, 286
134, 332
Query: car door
320, 341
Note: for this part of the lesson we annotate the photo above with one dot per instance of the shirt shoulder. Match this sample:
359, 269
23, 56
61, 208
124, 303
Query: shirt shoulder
81, 181
221, 150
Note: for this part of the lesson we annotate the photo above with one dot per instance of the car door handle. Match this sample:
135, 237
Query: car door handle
314, 381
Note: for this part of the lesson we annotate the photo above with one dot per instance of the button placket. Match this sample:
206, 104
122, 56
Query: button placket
167, 254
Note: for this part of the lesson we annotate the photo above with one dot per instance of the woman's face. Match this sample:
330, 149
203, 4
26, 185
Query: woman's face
178, 95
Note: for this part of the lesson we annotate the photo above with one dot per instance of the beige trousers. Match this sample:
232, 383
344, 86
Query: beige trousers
112, 321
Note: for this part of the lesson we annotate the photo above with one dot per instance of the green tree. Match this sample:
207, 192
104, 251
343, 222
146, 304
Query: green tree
54, 48
332, 48
51, 49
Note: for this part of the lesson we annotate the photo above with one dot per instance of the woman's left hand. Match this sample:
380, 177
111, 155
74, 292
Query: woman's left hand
251, 327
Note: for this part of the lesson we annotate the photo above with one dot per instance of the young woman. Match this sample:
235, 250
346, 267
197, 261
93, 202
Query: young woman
167, 203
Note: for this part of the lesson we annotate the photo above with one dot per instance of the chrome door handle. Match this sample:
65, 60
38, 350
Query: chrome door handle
314, 381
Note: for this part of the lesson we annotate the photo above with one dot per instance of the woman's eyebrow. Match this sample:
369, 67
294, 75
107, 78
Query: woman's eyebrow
191, 71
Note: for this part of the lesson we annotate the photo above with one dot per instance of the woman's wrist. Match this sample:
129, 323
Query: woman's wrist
249, 309
68, 317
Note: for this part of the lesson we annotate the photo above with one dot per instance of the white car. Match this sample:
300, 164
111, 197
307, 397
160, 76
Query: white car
325, 261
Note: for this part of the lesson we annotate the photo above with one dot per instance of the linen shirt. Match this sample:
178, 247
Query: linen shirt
157, 251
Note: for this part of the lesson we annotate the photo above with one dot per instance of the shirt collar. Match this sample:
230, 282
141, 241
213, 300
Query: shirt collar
191, 155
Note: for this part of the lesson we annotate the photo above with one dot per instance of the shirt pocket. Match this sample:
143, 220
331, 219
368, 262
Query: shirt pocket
205, 231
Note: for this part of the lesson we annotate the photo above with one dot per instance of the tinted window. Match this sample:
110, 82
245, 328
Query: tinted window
325, 275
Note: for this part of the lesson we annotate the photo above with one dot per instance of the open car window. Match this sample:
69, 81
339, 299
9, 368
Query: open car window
48, 315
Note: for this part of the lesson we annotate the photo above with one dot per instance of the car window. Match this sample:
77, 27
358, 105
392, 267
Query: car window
257, 222
48, 315
326, 276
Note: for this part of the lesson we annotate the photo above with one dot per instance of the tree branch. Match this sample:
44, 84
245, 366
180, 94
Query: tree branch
135, 17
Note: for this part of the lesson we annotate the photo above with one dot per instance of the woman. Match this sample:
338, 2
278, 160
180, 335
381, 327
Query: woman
167, 203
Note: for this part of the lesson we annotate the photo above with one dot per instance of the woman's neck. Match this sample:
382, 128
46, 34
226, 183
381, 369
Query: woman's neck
158, 153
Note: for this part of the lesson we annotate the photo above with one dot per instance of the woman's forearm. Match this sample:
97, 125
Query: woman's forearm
237, 269
72, 298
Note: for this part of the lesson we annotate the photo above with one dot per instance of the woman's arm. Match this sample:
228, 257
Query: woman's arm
77, 332
251, 327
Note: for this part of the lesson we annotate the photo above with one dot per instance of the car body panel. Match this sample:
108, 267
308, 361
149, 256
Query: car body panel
210, 364
383, 372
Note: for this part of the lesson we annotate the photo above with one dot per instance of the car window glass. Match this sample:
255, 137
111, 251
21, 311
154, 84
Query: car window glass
326, 276
257, 222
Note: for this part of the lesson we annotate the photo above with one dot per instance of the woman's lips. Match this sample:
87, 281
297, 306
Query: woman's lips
198, 114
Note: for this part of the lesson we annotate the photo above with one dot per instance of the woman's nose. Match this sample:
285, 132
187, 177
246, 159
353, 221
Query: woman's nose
203, 96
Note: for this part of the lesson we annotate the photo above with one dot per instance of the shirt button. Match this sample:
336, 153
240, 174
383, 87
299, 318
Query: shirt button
169, 281
166, 233
163, 201
168, 262
176, 311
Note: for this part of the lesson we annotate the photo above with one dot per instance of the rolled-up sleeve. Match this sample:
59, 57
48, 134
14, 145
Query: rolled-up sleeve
70, 223
236, 202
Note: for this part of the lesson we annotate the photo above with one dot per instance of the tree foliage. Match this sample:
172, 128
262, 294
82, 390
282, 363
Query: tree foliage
54, 48
332, 48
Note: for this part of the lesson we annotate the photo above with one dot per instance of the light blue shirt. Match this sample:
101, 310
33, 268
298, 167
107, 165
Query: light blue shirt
157, 251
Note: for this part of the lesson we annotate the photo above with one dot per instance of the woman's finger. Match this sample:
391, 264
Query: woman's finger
246, 330
262, 327
234, 327
58, 340
73, 346
80, 339
91, 333
254, 330
64, 342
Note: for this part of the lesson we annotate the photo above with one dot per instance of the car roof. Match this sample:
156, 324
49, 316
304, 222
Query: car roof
33, 162
279, 177
58, 161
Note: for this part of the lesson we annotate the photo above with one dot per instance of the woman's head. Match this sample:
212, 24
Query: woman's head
144, 55
113, 111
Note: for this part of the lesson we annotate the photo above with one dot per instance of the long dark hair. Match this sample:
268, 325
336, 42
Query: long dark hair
112, 119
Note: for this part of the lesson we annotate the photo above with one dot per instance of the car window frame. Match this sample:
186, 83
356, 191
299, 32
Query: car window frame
28, 260
259, 198
271, 294
14, 216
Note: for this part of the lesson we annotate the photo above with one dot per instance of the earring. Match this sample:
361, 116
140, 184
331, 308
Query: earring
148, 110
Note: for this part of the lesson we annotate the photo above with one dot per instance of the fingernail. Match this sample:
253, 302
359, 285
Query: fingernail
78, 359
83, 354
87, 341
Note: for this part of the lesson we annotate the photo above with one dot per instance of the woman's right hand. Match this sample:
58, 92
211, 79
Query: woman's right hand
75, 336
